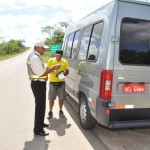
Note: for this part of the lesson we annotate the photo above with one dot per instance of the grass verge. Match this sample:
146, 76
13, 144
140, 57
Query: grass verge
12, 55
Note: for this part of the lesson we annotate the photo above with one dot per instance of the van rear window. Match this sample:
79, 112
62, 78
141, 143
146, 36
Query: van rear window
135, 42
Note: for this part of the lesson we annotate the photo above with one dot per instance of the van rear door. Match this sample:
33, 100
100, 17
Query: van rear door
131, 75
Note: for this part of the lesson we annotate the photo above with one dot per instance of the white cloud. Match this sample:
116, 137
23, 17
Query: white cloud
21, 26
28, 26
66, 4
58, 17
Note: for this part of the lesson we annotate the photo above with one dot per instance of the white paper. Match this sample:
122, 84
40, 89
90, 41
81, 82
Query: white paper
61, 76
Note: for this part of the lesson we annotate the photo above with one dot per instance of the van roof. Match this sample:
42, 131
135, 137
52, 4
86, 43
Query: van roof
143, 2
146, 2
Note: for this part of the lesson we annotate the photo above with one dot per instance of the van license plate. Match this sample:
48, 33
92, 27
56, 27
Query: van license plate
134, 88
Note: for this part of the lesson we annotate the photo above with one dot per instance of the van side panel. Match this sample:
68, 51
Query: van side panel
84, 76
130, 96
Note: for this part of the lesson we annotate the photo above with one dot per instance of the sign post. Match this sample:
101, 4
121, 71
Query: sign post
54, 48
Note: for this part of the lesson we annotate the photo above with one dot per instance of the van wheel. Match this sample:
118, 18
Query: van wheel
86, 119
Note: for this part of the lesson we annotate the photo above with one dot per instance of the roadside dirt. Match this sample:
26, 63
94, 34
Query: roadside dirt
118, 139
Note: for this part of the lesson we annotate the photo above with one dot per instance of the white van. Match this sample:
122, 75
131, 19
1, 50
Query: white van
108, 53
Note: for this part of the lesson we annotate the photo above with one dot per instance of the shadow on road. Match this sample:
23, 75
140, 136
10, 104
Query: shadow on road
72, 108
59, 125
37, 143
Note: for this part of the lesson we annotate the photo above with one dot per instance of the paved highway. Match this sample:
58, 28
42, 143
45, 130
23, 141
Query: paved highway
17, 116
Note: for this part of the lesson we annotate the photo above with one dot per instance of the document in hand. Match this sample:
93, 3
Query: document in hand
61, 76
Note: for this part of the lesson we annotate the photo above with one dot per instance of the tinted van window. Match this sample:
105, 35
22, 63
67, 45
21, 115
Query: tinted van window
69, 45
84, 43
64, 43
75, 44
135, 42
95, 41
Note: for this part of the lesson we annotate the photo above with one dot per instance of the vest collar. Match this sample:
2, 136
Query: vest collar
35, 52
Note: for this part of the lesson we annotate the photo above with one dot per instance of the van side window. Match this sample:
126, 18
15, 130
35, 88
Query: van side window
84, 43
64, 43
135, 42
69, 45
75, 44
95, 41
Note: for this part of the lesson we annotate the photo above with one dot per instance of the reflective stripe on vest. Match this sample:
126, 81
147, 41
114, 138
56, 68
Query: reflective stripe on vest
37, 77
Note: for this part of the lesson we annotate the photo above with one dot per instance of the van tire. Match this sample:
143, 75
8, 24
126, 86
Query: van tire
86, 119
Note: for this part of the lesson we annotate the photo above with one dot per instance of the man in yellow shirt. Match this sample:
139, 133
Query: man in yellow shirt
57, 82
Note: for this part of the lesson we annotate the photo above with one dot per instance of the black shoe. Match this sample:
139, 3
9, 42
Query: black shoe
41, 133
45, 125
50, 115
61, 114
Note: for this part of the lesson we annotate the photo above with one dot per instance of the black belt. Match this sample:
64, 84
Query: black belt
58, 84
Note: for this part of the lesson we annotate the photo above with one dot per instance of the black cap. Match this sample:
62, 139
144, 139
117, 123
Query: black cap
59, 52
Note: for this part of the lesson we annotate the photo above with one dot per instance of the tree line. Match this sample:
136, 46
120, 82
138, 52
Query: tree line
11, 47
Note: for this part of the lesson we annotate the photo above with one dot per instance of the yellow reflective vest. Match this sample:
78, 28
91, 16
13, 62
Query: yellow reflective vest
31, 74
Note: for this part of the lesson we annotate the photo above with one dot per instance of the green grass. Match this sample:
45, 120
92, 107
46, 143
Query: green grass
46, 56
12, 55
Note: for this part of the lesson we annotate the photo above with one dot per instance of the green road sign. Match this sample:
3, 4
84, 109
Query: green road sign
54, 48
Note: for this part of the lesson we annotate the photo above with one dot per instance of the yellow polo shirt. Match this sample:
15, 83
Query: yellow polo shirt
63, 66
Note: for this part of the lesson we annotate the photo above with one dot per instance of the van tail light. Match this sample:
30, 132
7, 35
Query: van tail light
106, 84
106, 111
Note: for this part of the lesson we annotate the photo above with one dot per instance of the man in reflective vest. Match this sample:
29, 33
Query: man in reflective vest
38, 76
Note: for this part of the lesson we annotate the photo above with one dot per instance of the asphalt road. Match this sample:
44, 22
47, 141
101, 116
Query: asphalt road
17, 116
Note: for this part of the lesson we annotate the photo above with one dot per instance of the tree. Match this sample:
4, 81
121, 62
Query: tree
64, 24
12, 46
55, 32
48, 30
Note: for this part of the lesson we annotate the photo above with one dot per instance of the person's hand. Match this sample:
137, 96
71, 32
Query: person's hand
57, 66
57, 73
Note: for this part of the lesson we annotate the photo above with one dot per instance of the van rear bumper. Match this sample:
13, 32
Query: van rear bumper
121, 118
130, 114
138, 117
126, 124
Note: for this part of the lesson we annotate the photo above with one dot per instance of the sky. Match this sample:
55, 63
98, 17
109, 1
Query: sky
23, 19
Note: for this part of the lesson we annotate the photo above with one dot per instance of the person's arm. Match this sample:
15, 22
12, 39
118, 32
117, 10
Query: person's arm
49, 70
66, 72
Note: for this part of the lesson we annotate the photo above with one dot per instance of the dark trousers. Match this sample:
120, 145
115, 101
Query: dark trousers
39, 92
